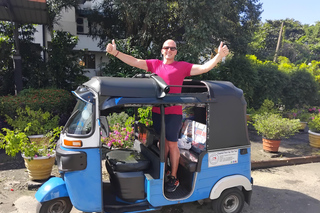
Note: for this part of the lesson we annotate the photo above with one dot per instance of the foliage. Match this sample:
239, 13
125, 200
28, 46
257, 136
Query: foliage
299, 43
11, 141
55, 7
56, 101
32, 63
117, 68
40, 122
238, 70
304, 114
43, 147
63, 68
145, 115
120, 137
15, 141
314, 124
302, 89
273, 126
122, 119
271, 83
268, 107
149, 23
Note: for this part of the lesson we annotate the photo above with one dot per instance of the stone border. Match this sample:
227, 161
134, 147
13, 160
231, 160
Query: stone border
284, 162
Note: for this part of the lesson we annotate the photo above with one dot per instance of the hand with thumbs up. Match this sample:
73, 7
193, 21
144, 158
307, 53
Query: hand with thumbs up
223, 50
112, 48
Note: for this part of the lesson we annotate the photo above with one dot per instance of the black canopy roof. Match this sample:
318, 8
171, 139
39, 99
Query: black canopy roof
226, 105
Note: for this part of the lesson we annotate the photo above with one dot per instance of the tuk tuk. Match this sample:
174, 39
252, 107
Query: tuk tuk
216, 166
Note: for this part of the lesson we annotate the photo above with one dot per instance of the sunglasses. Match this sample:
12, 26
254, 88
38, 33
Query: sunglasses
171, 48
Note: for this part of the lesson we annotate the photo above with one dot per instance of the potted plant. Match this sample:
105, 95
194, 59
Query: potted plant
314, 131
273, 128
39, 156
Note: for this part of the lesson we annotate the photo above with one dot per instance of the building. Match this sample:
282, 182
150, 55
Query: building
77, 24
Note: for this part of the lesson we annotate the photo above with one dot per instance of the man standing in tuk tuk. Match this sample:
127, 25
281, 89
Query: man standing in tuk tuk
173, 73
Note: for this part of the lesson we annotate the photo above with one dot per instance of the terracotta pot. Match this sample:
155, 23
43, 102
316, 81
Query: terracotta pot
39, 168
314, 139
270, 145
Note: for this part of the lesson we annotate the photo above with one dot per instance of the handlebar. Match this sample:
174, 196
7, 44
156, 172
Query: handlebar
161, 83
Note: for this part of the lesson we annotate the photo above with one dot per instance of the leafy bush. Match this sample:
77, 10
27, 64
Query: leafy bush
39, 122
238, 70
56, 101
268, 107
271, 83
302, 89
122, 119
273, 126
145, 115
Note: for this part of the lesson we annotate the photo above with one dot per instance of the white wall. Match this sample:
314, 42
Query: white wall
67, 21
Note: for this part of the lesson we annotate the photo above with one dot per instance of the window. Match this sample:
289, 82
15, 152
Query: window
81, 121
82, 25
88, 61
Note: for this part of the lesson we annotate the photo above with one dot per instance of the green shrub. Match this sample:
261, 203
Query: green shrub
268, 107
302, 89
271, 83
121, 120
145, 115
273, 126
39, 122
55, 101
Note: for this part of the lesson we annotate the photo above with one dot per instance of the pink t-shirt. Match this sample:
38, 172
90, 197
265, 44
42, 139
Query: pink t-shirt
172, 74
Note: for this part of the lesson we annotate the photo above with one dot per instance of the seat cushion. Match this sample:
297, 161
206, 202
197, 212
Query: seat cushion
126, 160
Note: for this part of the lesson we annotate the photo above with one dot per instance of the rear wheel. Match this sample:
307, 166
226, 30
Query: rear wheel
230, 201
59, 205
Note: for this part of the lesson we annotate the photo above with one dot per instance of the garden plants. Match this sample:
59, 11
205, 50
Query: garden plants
39, 156
274, 127
40, 122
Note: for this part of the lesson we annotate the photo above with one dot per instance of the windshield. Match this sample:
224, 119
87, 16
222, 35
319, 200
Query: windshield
81, 120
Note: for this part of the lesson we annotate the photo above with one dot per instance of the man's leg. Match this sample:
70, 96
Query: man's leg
166, 154
174, 153
174, 157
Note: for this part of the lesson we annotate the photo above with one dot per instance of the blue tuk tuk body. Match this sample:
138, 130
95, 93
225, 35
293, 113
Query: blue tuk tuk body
220, 171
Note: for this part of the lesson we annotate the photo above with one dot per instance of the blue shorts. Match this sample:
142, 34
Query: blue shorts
173, 124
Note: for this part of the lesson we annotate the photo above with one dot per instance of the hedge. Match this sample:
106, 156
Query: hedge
56, 101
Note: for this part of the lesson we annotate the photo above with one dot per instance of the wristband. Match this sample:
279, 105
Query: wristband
116, 54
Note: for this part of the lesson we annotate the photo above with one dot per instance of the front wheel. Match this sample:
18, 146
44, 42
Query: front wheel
230, 201
58, 205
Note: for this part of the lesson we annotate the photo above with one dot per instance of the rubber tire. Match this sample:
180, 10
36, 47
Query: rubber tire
63, 203
233, 195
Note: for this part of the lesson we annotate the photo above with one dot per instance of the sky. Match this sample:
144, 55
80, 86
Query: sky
305, 11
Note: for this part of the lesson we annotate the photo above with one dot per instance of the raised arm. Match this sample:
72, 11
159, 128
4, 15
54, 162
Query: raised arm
128, 59
198, 69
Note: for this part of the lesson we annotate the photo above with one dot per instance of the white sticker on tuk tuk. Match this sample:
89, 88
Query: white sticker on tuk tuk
220, 158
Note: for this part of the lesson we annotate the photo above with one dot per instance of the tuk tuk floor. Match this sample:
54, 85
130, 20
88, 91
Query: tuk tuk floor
14, 182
